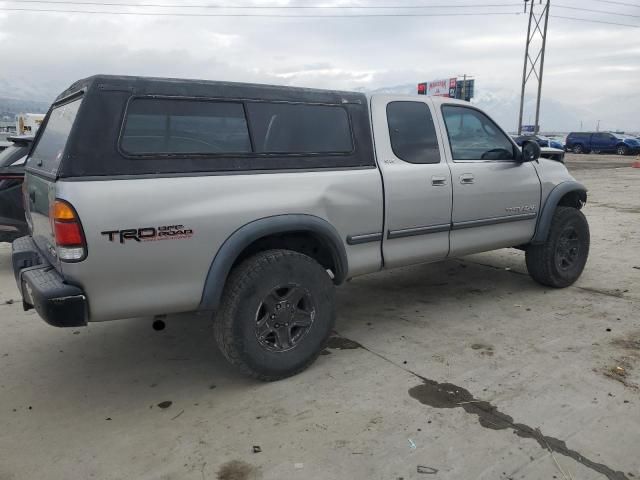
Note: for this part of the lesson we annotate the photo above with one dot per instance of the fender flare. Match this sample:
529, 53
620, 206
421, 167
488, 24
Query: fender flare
544, 219
244, 236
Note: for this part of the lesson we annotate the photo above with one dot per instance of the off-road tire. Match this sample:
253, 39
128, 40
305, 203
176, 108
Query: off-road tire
255, 279
543, 261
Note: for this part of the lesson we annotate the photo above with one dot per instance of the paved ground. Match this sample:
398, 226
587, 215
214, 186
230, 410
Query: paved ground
466, 367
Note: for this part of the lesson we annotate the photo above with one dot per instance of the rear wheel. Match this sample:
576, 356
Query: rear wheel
622, 150
560, 260
277, 313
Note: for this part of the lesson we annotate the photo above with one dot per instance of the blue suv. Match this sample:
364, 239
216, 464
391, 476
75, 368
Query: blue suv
601, 142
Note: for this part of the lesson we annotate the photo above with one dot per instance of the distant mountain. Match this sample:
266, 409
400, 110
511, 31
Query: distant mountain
504, 105
10, 107
24, 95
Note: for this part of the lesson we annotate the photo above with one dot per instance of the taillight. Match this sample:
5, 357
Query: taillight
72, 246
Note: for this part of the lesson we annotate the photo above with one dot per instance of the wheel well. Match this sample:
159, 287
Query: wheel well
307, 243
575, 199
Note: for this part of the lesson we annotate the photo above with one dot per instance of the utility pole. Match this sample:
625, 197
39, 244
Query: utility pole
534, 63
464, 86
465, 78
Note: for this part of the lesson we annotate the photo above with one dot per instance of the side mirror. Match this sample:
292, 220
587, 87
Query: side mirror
530, 151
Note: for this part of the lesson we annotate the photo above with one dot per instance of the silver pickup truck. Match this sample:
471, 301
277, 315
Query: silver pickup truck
150, 196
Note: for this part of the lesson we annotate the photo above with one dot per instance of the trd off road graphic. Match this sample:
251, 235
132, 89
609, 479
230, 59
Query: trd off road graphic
149, 234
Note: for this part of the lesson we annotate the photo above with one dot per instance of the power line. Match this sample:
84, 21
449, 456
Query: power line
595, 11
626, 4
596, 21
265, 7
266, 15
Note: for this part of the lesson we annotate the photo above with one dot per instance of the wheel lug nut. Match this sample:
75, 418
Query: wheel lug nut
272, 317
278, 307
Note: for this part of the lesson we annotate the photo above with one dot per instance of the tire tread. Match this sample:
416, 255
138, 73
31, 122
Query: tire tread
540, 258
239, 279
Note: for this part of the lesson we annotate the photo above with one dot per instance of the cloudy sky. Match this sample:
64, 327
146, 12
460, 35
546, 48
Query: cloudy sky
591, 69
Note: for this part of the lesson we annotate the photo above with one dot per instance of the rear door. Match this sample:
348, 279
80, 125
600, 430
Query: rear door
496, 199
41, 172
417, 180
603, 142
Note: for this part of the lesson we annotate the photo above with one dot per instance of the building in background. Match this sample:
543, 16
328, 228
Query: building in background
28, 123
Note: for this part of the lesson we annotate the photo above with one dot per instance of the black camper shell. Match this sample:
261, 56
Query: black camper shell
99, 142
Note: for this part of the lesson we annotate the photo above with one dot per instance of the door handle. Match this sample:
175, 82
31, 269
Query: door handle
438, 181
467, 178
32, 196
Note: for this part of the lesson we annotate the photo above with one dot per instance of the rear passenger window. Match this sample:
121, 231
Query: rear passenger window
53, 140
163, 126
298, 128
412, 132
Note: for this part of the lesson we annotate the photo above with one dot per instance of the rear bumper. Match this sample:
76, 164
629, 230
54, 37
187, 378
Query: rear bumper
43, 288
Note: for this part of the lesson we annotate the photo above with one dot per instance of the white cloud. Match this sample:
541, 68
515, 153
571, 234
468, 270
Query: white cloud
585, 64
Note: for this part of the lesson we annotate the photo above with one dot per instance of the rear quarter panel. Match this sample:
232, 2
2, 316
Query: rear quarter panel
166, 276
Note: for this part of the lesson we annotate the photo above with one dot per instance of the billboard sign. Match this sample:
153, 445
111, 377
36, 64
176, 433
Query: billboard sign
445, 87
441, 88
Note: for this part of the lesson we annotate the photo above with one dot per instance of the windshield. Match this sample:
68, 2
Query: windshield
50, 147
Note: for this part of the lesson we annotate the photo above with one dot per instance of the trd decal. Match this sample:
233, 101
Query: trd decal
149, 234
522, 209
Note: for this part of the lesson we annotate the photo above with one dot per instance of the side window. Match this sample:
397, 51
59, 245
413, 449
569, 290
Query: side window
412, 132
164, 126
299, 128
473, 136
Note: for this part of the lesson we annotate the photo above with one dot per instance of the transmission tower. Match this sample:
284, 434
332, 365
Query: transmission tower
534, 55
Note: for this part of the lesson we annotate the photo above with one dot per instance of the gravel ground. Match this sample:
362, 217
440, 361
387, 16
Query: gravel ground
539, 383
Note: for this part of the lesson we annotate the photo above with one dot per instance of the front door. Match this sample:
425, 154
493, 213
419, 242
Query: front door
496, 199
603, 142
417, 181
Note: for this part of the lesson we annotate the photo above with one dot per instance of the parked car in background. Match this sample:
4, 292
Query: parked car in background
602, 142
552, 153
556, 154
542, 141
12, 160
4, 143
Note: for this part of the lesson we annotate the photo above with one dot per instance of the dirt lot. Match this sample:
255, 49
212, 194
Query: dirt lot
459, 370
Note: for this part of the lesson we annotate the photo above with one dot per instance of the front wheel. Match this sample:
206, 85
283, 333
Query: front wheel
578, 148
277, 312
560, 260
622, 150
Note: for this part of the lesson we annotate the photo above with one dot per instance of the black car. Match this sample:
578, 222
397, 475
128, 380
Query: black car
12, 159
